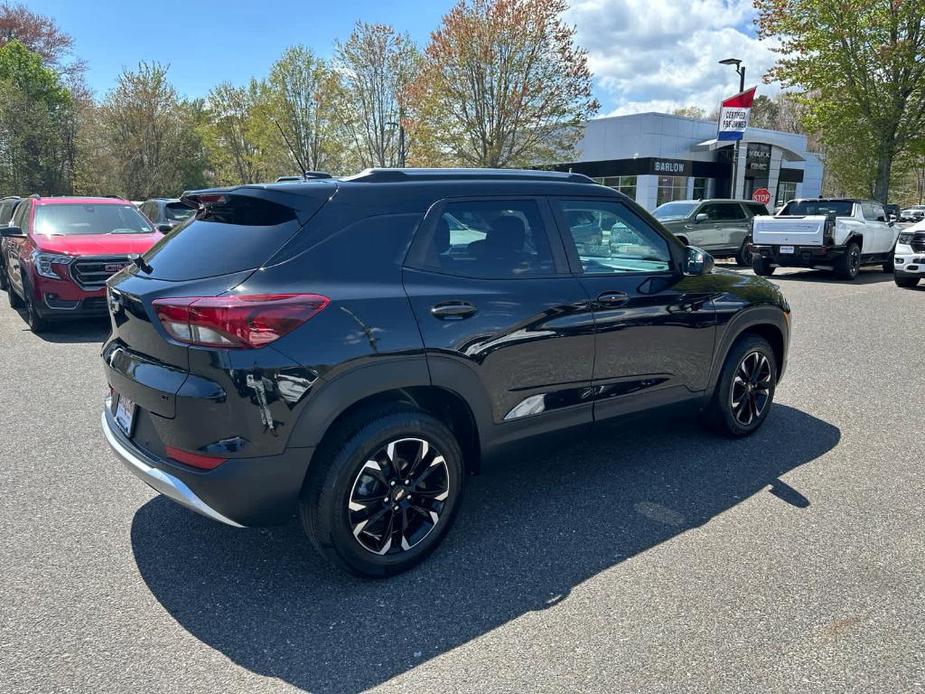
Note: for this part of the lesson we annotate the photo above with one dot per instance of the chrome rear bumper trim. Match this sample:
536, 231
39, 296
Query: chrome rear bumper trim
160, 481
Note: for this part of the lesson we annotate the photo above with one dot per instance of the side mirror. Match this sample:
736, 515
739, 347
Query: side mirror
891, 223
702, 217
164, 228
698, 262
12, 233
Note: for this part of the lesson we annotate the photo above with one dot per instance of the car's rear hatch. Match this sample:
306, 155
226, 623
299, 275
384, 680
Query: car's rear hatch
789, 230
232, 234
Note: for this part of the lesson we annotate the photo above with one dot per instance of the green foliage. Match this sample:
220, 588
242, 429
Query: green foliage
36, 124
860, 65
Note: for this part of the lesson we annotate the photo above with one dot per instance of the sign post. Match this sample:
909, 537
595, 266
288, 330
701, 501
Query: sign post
733, 120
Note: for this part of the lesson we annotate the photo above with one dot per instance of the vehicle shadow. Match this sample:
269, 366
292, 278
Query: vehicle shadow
85, 330
865, 276
529, 530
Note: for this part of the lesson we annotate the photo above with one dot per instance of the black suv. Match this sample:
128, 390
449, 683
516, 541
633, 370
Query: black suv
165, 213
350, 349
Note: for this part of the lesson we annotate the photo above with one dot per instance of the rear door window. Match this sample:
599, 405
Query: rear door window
498, 239
232, 234
722, 211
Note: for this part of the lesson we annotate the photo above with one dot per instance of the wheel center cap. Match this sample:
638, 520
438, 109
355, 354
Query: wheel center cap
399, 494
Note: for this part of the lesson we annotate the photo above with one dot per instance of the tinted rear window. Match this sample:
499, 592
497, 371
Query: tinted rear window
239, 234
77, 218
838, 208
178, 212
6, 211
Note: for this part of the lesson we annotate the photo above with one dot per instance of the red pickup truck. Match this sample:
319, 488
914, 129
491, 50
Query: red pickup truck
58, 252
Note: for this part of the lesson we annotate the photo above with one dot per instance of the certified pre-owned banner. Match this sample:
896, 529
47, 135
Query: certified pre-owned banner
733, 115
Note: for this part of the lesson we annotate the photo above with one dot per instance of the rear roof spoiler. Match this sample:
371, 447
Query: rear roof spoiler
304, 200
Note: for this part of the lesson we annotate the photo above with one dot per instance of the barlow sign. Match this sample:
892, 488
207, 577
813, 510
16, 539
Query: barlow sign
733, 115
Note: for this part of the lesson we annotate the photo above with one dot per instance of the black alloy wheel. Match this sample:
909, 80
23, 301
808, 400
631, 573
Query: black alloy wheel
850, 264
751, 388
744, 256
745, 389
36, 323
398, 496
382, 490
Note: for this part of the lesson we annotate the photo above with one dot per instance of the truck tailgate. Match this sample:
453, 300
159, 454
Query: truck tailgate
790, 231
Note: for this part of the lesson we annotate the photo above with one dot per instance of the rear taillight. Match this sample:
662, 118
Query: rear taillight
243, 321
203, 462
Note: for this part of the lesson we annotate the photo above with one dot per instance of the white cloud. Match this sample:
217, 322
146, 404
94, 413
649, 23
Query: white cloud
657, 55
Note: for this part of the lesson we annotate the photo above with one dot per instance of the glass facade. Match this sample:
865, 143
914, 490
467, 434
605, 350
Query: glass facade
671, 188
624, 184
786, 190
700, 189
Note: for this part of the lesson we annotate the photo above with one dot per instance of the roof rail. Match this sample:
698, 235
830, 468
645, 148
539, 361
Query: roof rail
399, 175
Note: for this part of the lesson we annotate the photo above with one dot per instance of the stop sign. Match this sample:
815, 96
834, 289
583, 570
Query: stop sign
762, 195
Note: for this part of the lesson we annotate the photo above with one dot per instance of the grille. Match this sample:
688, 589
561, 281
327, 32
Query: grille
92, 273
918, 242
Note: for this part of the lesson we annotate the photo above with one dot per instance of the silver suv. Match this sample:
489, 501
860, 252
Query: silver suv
720, 227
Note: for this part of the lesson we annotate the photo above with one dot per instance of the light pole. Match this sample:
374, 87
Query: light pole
740, 68
401, 142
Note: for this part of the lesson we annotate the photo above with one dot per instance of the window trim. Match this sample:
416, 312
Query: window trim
675, 247
414, 258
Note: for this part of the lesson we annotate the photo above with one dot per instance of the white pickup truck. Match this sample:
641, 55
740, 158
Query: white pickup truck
834, 234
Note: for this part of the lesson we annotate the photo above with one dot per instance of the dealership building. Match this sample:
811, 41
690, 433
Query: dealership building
657, 157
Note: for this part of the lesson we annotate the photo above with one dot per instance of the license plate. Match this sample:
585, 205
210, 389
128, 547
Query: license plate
125, 414
787, 249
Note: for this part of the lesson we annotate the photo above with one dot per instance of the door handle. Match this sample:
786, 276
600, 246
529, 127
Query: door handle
453, 310
613, 299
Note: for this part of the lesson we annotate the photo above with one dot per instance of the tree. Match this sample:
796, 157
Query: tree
36, 125
690, 112
302, 95
863, 61
502, 83
231, 133
377, 64
150, 137
39, 34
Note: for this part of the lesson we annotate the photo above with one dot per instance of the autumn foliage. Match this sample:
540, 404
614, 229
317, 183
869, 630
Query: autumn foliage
502, 84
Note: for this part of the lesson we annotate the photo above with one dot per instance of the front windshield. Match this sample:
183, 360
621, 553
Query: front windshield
837, 208
674, 210
178, 212
72, 219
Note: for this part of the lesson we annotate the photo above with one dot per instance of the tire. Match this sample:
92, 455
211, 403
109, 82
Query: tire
906, 282
888, 266
4, 283
762, 267
14, 298
849, 264
744, 255
332, 509
740, 408
36, 323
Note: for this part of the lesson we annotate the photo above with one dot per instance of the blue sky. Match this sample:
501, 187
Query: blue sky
645, 54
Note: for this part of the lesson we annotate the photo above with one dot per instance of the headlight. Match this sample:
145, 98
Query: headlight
44, 263
905, 238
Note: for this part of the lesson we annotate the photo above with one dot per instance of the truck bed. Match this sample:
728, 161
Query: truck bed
788, 230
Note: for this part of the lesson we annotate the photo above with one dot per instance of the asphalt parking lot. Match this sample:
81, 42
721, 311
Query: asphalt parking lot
652, 558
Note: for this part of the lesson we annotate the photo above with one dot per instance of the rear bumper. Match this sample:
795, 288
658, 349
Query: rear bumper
802, 256
240, 492
144, 467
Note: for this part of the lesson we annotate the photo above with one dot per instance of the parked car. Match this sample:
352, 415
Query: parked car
352, 356
7, 207
916, 213
909, 259
58, 252
720, 227
166, 213
830, 233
